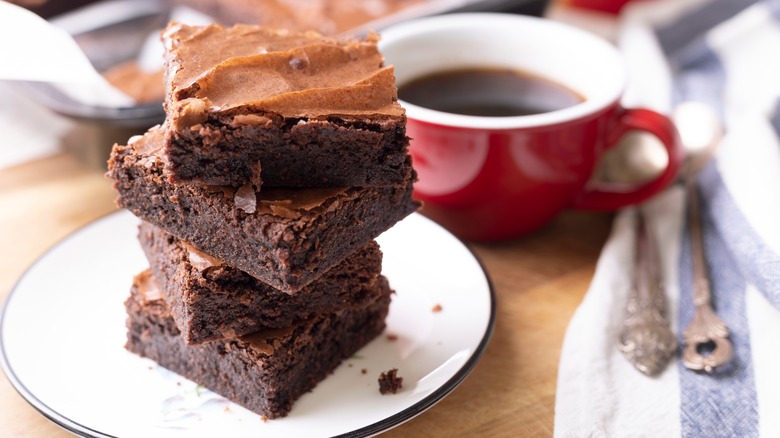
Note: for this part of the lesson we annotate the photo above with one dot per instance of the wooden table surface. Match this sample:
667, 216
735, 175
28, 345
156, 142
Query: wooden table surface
539, 282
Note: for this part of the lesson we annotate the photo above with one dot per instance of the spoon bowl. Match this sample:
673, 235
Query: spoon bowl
700, 132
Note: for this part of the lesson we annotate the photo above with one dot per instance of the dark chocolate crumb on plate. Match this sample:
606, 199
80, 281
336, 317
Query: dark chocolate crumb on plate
390, 382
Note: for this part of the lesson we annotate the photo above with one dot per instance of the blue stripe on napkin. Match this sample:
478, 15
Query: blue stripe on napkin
724, 402
774, 8
697, 72
699, 76
757, 261
691, 26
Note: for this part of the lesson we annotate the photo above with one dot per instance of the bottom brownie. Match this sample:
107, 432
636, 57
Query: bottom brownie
264, 372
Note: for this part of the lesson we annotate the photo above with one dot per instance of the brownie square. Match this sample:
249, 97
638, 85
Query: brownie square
210, 300
284, 237
247, 103
264, 372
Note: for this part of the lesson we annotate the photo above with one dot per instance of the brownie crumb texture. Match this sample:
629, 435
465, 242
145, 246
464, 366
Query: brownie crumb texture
390, 382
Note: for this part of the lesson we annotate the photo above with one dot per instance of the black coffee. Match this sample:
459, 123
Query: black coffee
488, 92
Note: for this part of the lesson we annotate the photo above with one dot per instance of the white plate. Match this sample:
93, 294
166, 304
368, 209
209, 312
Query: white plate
62, 338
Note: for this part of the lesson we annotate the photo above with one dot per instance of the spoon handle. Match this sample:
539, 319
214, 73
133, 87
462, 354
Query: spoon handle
646, 340
706, 338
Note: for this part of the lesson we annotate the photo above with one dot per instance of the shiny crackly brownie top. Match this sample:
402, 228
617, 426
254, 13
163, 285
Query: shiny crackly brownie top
212, 69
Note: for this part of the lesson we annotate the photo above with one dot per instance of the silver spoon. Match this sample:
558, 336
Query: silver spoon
707, 345
647, 340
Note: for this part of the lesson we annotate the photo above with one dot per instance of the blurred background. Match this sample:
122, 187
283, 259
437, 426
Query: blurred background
121, 39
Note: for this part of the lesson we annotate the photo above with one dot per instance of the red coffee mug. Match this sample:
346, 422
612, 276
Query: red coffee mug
492, 178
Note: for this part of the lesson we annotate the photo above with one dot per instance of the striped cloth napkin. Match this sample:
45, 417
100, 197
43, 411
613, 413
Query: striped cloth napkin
726, 54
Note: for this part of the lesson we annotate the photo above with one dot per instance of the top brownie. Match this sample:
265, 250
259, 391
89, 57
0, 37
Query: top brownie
247, 103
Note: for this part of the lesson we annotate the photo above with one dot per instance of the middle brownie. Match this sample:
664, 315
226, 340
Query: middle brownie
285, 238
210, 300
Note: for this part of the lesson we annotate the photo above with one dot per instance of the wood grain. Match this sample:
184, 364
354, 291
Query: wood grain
539, 281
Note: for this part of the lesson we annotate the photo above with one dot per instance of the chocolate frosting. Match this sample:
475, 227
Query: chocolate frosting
215, 69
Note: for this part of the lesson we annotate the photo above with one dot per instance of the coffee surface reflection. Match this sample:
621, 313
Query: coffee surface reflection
488, 92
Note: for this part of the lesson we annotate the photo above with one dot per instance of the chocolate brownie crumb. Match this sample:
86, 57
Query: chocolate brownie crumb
390, 382
364, 371
392, 337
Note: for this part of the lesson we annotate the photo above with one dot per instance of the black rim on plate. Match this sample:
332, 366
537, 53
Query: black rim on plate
372, 429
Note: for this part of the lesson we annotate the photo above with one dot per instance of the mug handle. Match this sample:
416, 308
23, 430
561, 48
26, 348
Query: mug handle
637, 119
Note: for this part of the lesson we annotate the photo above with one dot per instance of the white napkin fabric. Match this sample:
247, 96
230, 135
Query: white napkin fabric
726, 54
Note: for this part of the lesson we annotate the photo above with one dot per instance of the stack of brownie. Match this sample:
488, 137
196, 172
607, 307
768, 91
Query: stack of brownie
282, 157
